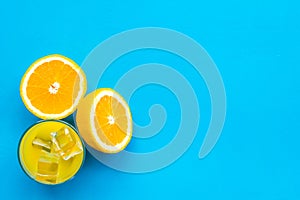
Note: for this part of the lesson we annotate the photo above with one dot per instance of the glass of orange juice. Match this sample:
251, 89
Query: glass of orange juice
51, 152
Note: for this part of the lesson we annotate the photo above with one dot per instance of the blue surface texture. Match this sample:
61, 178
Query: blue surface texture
255, 45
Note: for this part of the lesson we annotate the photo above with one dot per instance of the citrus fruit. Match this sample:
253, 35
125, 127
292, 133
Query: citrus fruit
52, 87
104, 120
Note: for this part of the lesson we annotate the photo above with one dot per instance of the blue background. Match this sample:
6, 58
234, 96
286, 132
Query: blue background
255, 45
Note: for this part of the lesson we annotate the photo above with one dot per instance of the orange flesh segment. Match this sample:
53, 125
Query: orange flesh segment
110, 108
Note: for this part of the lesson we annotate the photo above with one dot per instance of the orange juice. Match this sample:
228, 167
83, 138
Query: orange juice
51, 152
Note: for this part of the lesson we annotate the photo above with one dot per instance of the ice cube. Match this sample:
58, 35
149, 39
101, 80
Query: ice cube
65, 144
42, 144
47, 167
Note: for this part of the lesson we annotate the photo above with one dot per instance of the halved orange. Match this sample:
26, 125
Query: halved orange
104, 120
52, 87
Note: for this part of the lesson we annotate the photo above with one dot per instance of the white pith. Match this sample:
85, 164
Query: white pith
53, 88
111, 120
